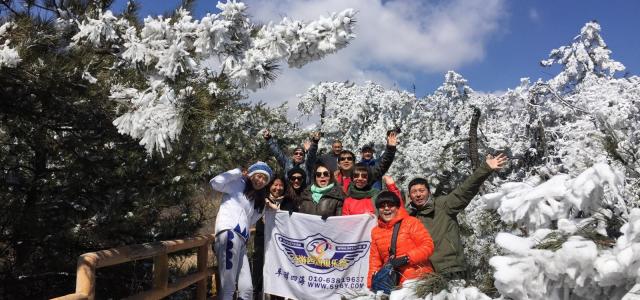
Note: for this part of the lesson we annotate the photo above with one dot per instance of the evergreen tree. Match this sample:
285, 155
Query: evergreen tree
562, 221
70, 180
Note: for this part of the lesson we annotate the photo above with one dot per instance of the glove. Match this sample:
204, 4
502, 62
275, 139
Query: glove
400, 261
324, 217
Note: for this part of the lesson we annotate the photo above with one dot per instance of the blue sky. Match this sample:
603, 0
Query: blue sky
492, 43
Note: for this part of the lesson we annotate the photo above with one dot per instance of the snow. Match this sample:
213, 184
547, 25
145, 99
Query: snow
9, 57
537, 206
579, 266
574, 167
165, 49
572, 140
587, 54
154, 116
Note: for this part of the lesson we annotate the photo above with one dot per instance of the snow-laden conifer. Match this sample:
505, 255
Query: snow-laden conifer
566, 205
587, 55
172, 50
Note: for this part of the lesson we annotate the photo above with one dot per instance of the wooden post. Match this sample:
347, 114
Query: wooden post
161, 271
203, 255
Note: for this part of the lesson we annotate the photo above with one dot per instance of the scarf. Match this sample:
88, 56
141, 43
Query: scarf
357, 193
275, 199
427, 205
318, 192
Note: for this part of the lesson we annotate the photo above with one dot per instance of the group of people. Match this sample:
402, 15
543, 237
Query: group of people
427, 237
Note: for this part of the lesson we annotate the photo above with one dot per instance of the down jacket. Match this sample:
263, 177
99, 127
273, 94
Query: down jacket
329, 205
413, 241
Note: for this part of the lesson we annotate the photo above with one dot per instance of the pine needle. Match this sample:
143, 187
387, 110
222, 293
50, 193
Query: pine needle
432, 283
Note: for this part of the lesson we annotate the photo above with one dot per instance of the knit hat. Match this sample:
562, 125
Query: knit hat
299, 148
386, 196
297, 170
262, 168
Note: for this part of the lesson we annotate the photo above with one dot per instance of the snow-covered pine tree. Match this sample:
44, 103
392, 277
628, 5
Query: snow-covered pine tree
170, 55
70, 182
588, 55
568, 203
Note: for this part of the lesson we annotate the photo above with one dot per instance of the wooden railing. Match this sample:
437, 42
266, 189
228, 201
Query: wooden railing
89, 262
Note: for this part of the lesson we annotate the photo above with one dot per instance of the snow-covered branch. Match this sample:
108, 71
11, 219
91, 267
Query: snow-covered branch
579, 269
9, 57
171, 49
536, 204
588, 54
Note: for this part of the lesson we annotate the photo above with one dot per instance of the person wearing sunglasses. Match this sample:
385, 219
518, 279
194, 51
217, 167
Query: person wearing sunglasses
346, 163
414, 245
324, 197
243, 203
293, 193
274, 199
298, 158
361, 193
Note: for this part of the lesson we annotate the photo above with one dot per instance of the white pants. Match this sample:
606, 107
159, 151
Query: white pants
233, 266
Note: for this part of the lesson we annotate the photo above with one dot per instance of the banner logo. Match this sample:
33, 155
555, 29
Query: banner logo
320, 254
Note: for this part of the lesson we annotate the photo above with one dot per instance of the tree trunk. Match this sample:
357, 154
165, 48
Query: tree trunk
541, 143
473, 138
323, 111
24, 235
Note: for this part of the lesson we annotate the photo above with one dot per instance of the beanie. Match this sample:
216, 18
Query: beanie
262, 168
297, 170
299, 148
386, 196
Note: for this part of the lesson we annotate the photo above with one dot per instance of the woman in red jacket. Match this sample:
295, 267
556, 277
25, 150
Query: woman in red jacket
413, 246
360, 192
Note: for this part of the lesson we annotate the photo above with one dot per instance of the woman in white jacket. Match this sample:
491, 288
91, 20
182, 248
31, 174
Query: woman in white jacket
242, 205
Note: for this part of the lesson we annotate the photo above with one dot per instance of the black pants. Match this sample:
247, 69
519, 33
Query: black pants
258, 259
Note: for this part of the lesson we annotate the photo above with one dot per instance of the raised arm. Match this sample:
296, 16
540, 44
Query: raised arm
227, 182
282, 159
458, 200
312, 154
387, 159
392, 187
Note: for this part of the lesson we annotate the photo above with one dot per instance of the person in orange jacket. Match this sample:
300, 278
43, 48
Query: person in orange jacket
414, 245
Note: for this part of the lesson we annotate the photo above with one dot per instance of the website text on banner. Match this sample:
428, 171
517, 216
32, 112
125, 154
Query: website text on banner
308, 258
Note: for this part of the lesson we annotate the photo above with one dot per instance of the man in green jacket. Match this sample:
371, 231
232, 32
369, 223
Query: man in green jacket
439, 216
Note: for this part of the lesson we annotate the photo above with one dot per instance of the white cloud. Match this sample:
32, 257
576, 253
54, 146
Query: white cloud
396, 41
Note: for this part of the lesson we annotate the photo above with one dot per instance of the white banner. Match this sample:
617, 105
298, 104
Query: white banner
308, 258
